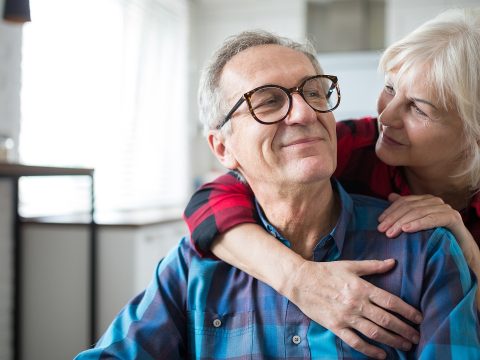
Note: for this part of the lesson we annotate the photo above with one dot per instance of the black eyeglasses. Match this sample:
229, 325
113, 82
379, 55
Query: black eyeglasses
270, 104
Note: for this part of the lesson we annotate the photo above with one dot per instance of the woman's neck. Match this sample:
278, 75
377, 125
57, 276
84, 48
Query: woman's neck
453, 190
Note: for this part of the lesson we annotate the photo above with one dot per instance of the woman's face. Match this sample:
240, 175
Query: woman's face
416, 130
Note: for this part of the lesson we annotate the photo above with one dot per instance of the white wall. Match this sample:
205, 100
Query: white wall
359, 81
405, 15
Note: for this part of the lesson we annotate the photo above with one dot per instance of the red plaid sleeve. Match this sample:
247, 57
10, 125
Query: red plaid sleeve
216, 207
352, 136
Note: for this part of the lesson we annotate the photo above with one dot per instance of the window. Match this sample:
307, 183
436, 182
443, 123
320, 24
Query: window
104, 86
346, 25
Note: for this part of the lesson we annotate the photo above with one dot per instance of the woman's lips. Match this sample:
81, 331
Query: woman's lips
390, 141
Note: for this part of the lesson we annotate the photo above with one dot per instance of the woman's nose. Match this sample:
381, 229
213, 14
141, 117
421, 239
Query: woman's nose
390, 113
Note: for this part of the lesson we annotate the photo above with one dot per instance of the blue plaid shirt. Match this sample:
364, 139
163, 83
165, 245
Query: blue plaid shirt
200, 308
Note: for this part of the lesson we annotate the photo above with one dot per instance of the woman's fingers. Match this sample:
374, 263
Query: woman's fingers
334, 295
383, 298
414, 213
352, 339
429, 221
423, 218
399, 202
379, 334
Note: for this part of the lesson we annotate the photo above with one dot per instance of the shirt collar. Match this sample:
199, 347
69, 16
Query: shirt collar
338, 232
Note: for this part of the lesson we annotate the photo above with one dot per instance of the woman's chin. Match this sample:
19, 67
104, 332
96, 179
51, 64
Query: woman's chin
388, 156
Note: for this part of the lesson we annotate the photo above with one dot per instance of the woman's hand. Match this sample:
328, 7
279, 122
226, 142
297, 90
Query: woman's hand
421, 212
331, 293
334, 295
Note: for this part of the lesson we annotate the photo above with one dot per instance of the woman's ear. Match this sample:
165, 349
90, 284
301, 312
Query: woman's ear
219, 146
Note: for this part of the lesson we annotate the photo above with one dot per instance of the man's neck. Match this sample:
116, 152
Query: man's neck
303, 215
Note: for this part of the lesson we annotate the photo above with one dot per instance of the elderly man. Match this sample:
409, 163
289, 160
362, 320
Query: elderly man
266, 106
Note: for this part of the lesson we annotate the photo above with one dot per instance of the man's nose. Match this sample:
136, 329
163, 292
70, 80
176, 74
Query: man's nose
300, 111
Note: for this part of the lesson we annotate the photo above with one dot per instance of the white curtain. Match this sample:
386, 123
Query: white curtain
105, 86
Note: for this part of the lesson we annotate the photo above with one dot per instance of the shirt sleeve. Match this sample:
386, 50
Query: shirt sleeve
139, 330
450, 329
353, 135
216, 207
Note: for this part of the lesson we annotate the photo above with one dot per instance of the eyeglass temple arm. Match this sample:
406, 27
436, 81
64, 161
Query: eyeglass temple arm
330, 90
230, 113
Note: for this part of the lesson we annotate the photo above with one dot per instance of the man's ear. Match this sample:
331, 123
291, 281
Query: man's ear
220, 149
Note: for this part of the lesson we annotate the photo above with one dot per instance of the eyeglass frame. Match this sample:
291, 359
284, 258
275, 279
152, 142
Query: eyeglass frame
296, 89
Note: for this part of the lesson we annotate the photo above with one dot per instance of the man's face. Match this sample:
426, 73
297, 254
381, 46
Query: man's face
298, 150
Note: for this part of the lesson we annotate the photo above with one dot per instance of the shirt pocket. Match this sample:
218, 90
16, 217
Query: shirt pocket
220, 336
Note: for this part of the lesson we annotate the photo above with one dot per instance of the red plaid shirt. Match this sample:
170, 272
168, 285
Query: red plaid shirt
219, 205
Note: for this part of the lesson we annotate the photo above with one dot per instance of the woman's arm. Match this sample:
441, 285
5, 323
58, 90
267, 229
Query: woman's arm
420, 212
216, 207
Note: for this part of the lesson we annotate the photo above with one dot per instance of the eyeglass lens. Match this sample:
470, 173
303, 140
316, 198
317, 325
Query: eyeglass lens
270, 104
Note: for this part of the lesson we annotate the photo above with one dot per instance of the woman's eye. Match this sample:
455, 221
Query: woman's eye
389, 89
418, 110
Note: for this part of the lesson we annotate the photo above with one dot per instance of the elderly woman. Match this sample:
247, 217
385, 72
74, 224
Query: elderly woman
426, 140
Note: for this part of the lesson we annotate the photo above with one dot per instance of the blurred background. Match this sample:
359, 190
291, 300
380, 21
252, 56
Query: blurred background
108, 87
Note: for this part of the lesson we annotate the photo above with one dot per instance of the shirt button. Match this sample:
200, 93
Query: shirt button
296, 339
217, 323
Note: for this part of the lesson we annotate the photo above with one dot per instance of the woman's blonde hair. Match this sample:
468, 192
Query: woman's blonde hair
446, 50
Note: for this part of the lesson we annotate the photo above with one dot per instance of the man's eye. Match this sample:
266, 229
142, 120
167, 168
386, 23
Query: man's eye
270, 102
314, 94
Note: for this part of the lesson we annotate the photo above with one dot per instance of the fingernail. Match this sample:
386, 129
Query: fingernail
389, 232
415, 339
382, 355
406, 346
418, 319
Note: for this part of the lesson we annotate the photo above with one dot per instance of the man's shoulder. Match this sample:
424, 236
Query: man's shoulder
368, 203
367, 209
184, 255
181, 254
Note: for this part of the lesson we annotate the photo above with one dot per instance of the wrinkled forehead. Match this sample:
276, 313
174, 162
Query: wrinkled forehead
264, 64
420, 79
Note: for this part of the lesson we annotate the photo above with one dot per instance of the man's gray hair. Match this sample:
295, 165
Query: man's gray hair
212, 105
